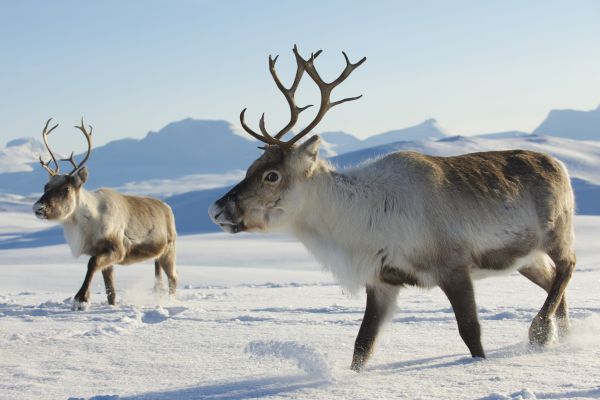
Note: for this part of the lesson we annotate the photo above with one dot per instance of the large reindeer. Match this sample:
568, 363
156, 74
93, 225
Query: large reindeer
409, 219
110, 227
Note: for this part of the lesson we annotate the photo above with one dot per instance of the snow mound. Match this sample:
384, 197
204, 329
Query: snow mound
520, 395
305, 357
155, 316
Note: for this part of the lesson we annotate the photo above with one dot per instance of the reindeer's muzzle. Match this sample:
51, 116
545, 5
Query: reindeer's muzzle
39, 209
225, 213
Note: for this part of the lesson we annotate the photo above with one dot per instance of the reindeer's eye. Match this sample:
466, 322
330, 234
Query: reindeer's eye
65, 190
272, 177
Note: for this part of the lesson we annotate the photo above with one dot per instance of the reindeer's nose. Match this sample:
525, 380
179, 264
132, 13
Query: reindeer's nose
38, 209
215, 211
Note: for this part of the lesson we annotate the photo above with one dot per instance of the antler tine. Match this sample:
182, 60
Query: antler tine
88, 137
263, 129
265, 139
326, 89
46, 165
347, 70
290, 93
71, 159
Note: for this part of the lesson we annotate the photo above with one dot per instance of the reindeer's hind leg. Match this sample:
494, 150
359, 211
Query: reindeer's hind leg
543, 274
380, 302
541, 329
167, 262
109, 284
158, 282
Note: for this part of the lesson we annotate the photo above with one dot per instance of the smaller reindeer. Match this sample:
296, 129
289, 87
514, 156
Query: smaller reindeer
110, 227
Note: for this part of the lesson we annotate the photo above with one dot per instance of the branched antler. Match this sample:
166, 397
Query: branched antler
46, 165
88, 137
71, 159
325, 89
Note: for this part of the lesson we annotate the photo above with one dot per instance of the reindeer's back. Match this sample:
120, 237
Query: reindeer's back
517, 191
487, 176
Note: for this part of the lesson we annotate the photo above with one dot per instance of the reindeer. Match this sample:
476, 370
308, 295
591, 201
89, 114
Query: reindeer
409, 219
110, 227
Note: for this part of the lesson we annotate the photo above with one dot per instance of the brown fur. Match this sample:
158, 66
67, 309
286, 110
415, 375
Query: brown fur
110, 227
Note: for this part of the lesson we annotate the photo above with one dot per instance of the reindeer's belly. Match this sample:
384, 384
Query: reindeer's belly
509, 264
143, 251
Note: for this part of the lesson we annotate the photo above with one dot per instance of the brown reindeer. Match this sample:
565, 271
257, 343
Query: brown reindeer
408, 219
110, 227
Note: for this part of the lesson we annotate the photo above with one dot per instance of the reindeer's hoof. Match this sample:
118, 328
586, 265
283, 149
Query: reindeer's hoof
358, 364
158, 289
563, 326
542, 331
80, 305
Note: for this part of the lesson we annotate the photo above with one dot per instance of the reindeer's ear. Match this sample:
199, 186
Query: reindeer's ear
311, 147
81, 177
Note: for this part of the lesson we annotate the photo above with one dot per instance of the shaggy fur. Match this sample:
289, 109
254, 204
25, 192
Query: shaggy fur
111, 228
413, 219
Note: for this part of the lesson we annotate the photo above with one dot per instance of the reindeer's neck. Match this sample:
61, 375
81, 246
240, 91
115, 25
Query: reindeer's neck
339, 224
86, 208
334, 199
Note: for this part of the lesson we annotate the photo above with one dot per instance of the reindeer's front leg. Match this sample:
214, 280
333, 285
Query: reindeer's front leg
458, 287
380, 301
111, 254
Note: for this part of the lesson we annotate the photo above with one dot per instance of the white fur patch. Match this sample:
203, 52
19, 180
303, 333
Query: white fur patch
74, 238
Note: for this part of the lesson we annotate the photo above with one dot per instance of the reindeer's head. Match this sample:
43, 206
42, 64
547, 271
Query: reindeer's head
269, 196
62, 190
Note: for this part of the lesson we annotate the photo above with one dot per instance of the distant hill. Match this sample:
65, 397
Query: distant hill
342, 142
503, 135
19, 154
573, 124
181, 148
427, 130
189, 151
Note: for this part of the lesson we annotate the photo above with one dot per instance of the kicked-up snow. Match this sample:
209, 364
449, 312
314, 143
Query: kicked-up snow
255, 317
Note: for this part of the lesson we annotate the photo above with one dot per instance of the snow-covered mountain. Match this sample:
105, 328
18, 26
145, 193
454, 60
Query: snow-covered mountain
574, 124
426, 130
503, 135
19, 154
342, 142
187, 147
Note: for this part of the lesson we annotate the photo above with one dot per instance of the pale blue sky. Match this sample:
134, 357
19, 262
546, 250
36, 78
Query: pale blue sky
134, 66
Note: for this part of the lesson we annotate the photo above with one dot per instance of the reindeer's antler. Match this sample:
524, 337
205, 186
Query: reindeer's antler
71, 159
326, 104
88, 137
46, 165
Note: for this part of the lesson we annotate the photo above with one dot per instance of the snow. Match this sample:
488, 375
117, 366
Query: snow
255, 316
19, 155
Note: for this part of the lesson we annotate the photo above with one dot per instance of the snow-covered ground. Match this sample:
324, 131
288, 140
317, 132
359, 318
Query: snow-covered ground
255, 317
